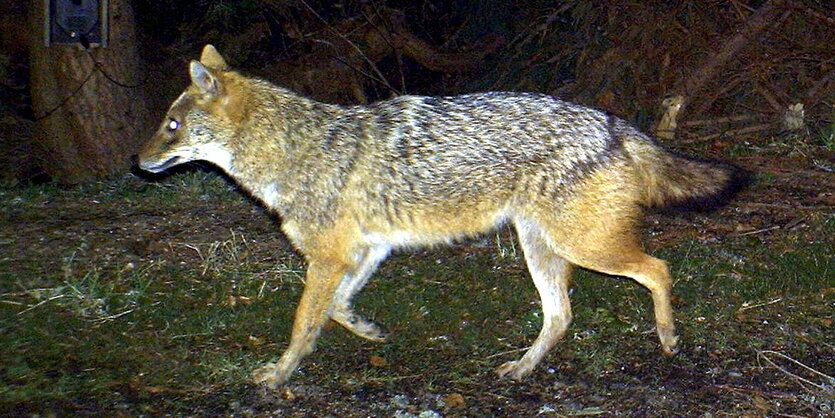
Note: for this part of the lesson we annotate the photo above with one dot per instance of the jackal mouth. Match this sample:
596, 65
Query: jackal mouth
156, 168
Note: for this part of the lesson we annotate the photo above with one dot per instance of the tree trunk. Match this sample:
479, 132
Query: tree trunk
90, 108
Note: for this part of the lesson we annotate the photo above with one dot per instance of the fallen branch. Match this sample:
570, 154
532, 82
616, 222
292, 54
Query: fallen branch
732, 132
768, 96
718, 121
758, 231
760, 20
827, 386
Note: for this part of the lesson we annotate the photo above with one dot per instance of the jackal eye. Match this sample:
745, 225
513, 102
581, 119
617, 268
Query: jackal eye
173, 125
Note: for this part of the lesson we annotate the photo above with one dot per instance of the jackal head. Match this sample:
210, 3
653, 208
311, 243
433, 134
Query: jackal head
199, 125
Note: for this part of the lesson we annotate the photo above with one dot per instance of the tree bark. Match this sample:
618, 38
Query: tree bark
90, 107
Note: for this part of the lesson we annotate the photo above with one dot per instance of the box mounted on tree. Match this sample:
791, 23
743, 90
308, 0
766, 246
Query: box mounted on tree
76, 21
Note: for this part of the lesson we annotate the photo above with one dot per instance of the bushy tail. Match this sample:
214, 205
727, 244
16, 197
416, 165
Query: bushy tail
672, 180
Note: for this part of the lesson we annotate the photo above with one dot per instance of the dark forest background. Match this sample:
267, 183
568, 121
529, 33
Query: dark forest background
712, 73
121, 296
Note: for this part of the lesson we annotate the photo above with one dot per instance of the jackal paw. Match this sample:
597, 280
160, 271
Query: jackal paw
370, 331
361, 326
269, 375
670, 346
515, 370
669, 341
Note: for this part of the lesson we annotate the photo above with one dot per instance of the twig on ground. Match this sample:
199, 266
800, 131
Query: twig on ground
827, 387
758, 231
503, 353
771, 302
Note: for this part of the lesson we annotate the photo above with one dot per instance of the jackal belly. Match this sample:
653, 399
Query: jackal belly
429, 225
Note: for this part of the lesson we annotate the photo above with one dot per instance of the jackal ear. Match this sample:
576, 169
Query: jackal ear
204, 79
212, 59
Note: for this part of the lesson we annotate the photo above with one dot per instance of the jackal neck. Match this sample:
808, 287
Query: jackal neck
291, 119
283, 156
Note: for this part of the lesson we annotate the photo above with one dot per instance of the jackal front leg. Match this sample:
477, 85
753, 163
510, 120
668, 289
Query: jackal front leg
321, 282
551, 275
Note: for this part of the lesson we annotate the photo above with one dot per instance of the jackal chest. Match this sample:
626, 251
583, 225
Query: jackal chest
269, 194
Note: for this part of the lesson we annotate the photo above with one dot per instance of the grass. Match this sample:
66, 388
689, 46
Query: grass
825, 134
94, 327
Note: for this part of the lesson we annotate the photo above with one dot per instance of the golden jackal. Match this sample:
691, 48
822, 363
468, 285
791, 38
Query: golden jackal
352, 183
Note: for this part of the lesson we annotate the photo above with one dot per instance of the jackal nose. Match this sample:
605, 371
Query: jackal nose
134, 160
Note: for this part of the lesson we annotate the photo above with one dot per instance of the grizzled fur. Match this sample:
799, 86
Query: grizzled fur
351, 184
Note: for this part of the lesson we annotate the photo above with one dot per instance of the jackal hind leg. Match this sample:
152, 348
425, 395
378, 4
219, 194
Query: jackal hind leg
551, 275
352, 283
322, 279
654, 274
622, 256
